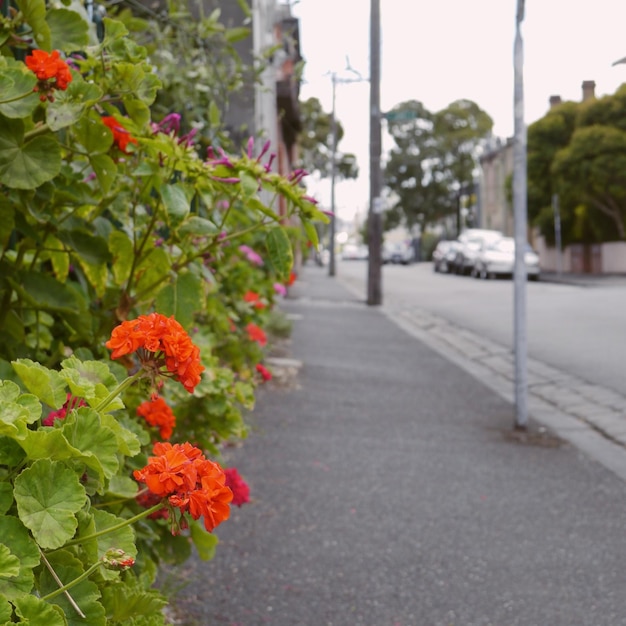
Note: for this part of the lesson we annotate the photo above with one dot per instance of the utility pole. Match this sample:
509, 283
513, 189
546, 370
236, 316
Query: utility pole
333, 171
520, 217
374, 269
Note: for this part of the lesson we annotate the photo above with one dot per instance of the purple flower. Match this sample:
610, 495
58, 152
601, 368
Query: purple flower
268, 166
251, 255
250, 146
169, 123
187, 140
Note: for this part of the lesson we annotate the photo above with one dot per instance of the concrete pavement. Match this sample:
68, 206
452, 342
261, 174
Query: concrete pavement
389, 488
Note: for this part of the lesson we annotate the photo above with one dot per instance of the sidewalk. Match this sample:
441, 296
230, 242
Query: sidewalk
390, 490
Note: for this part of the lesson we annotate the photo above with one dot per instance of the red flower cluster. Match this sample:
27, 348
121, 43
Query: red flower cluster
168, 342
51, 71
256, 334
157, 413
60, 414
265, 373
189, 480
239, 487
292, 278
254, 299
121, 136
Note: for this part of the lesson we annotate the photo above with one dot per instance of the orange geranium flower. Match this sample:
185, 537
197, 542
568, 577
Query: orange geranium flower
159, 341
51, 71
265, 373
253, 298
121, 137
256, 334
191, 482
157, 413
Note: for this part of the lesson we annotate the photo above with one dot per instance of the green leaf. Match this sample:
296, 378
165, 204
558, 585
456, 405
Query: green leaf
44, 292
238, 33
37, 612
279, 250
34, 12
48, 496
6, 611
197, 227
214, 114
69, 106
6, 496
137, 110
97, 444
93, 135
113, 31
15, 536
122, 538
205, 543
90, 248
105, 170
46, 384
125, 603
154, 271
9, 563
311, 233
183, 298
256, 205
16, 84
127, 441
26, 165
176, 203
85, 593
60, 260
68, 30
121, 248
249, 185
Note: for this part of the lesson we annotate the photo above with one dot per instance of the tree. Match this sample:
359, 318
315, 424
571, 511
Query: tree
316, 143
433, 162
578, 151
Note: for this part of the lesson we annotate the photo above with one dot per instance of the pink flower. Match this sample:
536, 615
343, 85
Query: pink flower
280, 289
239, 487
251, 255
60, 414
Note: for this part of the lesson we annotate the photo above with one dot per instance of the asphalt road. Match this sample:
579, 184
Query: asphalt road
579, 329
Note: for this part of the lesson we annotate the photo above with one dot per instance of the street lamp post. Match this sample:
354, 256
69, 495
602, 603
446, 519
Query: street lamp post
332, 266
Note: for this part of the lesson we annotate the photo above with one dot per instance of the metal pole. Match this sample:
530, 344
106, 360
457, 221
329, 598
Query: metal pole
557, 233
374, 273
520, 215
333, 169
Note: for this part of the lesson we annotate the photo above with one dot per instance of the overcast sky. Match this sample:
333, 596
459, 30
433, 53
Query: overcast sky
444, 50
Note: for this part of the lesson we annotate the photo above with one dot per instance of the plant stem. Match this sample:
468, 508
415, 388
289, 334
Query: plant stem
122, 524
72, 583
118, 390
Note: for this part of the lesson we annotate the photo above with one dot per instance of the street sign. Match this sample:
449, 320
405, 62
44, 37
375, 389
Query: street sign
400, 116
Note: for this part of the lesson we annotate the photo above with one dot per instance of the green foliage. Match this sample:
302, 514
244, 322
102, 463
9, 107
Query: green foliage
316, 142
109, 213
434, 158
577, 152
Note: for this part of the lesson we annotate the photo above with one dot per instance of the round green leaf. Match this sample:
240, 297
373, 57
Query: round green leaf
68, 29
28, 165
16, 538
37, 612
48, 495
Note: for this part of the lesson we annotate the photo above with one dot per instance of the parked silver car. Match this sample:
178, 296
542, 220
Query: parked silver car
471, 241
444, 255
497, 258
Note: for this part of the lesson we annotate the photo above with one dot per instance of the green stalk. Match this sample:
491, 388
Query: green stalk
118, 390
122, 524
72, 583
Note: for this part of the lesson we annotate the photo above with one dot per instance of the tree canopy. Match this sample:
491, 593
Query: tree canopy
434, 159
316, 143
578, 151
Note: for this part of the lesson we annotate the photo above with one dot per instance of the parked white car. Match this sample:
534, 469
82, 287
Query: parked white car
497, 258
398, 252
470, 241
